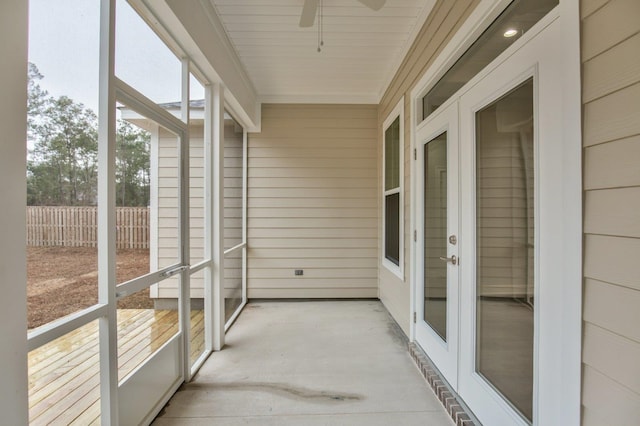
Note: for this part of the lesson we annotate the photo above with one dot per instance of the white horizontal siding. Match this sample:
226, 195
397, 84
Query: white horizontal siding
312, 202
167, 212
611, 97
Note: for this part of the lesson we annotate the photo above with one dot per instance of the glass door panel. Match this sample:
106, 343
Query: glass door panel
436, 249
435, 235
150, 348
498, 360
147, 196
505, 246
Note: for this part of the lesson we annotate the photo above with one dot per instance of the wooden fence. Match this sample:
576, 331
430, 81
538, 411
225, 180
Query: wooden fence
78, 226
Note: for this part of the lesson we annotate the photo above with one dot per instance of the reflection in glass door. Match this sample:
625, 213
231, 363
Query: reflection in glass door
504, 246
435, 235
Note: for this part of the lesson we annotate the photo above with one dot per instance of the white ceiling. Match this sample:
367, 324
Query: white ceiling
362, 48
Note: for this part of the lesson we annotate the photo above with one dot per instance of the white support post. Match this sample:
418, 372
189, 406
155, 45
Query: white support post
106, 217
217, 118
245, 179
13, 122
209, 304
184, 237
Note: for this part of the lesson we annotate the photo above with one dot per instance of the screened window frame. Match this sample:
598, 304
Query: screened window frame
112, 91
396, 113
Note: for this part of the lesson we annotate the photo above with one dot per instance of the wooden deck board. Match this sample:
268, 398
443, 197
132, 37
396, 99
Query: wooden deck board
64, 382
51, 376
197, 334
71, 378
56, 352
90, 415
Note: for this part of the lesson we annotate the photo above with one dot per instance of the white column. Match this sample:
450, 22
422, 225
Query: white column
185, 238
214, 216
13, 122
218, 215
245, 191
106, 217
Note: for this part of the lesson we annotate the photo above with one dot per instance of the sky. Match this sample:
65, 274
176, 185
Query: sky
63, 44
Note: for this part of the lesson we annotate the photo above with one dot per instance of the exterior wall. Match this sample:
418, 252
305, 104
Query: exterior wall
611, 108
164, 208
13, 157
444, 20
313, 202
164, 249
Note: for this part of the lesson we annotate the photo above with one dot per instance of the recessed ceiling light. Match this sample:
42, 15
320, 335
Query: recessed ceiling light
510, 32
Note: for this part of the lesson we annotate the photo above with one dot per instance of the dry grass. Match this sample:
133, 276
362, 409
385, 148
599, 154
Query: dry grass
64, 280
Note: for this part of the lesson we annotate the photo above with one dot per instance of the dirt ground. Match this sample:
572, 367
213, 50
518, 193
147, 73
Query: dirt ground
64, 280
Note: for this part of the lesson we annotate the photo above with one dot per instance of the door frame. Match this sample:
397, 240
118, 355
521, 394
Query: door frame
566, 375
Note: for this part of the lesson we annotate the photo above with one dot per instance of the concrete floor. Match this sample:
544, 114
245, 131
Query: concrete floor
309, 363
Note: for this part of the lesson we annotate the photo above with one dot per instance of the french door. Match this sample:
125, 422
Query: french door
511, 158
152, 364
437, 245
488, 317
499, 222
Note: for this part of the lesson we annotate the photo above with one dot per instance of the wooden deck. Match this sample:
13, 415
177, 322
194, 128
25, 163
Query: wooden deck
64, 374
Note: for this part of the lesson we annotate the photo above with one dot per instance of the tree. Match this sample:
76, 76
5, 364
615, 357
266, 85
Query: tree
36, 96
63, 160
132, 165
62, 169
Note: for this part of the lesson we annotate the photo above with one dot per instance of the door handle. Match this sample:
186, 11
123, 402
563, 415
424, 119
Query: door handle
453, 259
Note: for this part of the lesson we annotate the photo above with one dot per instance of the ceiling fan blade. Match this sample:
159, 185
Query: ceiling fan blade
373, 4
308, 13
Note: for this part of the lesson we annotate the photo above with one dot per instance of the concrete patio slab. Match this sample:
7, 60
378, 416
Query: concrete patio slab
309, 363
